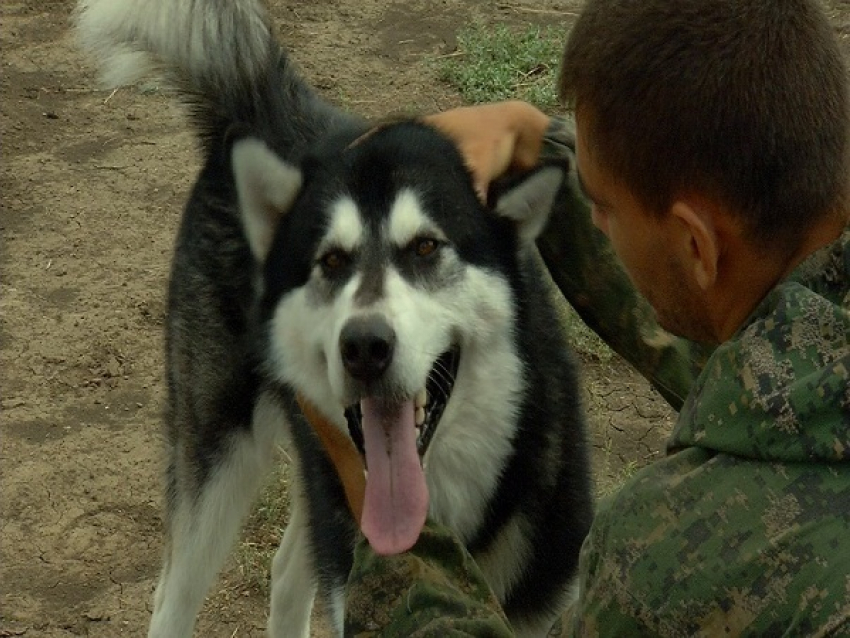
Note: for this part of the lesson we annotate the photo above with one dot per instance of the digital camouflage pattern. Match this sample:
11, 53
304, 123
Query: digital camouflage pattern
743, 529
433, 590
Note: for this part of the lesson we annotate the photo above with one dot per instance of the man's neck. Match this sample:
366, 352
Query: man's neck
749, 276
825, 233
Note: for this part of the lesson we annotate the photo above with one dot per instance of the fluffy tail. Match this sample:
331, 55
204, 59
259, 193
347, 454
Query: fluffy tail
204, 42
220, 54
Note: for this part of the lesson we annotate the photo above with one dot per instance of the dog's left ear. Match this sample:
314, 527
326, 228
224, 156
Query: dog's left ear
528, 200
266, 187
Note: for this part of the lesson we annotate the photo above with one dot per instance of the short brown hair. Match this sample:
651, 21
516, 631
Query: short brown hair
742, 100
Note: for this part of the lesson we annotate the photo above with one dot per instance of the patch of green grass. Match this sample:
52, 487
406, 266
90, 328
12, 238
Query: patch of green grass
149, 88
263, 531
583, 340
615, 475
498, 63
611, 483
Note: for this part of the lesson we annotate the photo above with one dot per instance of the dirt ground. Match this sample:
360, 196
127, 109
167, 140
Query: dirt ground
92, 185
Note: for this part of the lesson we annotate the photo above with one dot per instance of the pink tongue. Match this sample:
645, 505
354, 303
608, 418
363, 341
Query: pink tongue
396, 501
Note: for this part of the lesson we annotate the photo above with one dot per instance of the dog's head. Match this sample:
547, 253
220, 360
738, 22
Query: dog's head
385, 283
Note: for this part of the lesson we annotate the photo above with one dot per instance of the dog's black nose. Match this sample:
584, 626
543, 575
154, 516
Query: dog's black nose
366, 345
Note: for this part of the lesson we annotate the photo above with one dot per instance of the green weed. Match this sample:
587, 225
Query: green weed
498, 63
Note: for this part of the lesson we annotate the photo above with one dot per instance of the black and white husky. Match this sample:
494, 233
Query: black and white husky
360, 274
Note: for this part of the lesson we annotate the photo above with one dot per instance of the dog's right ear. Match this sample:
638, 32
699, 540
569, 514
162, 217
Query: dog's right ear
266, 187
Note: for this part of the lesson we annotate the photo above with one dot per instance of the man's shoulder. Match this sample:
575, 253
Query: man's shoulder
780, 389
806, 315
700, 543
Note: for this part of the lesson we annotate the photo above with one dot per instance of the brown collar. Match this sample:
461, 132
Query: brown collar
344, 456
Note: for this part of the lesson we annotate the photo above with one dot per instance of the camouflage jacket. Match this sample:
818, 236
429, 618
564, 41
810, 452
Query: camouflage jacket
743, 529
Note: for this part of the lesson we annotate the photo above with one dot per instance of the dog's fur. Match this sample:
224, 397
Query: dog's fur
299, 227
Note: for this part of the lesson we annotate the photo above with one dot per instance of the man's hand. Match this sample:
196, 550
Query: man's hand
494, 139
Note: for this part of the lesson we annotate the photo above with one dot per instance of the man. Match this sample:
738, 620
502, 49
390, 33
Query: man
712, 143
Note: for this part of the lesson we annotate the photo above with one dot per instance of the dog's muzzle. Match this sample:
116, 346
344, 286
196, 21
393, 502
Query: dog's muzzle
430, 403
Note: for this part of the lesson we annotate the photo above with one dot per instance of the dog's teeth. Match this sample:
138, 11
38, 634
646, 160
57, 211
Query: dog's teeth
421, 398
420, 416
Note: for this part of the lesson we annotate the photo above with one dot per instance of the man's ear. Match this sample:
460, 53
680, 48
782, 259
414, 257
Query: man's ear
266, 187
528, 201
698, 240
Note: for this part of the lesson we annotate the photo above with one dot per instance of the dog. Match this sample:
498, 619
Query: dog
349, 272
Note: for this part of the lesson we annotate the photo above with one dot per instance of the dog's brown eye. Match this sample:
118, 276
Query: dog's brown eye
333, 260
424, 246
